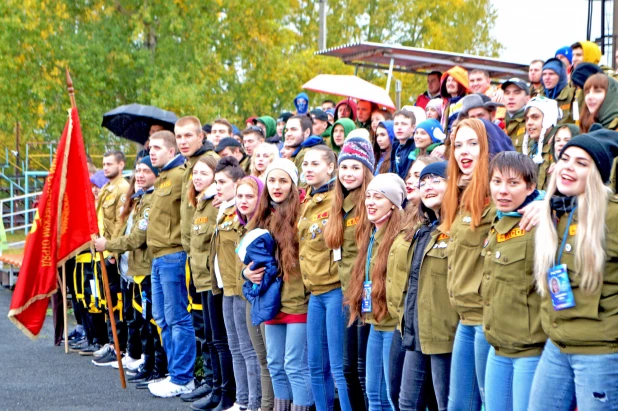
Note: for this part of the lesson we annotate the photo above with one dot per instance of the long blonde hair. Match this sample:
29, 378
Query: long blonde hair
589, 240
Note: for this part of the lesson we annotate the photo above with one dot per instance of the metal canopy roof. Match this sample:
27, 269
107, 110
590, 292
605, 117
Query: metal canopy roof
422, 61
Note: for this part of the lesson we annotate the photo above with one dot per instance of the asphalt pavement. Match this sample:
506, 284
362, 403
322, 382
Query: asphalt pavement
36, 375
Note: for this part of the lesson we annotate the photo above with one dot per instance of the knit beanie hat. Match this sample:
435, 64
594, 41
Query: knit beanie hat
99, 179
286, 165
436, 104
438, 169
551, 115
601, 144
566, 52
359, 149
582, 72
434, 129
391, 186
359, 133
419, 113
146, 160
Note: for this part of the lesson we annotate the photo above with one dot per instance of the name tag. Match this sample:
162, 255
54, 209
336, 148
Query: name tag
560, 288
366, 305
516, 232
337, 254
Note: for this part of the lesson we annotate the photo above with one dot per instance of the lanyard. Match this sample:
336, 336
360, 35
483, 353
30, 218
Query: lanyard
564, 236
369, 252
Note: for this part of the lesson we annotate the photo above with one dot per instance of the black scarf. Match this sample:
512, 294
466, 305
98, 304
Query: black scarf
562, 205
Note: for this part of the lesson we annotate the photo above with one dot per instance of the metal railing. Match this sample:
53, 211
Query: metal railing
27, 213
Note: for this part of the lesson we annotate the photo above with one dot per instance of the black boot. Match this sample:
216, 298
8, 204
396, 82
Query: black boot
225, 404
200, 392
207, 403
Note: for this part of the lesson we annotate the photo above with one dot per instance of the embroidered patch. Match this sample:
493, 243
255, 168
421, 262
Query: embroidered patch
516, 232
521, 132
443, 237
147, 213
143, 224
123, 198
320, 216
573, 229
352, 221
165, 184
566, 106
466, 220
201, 220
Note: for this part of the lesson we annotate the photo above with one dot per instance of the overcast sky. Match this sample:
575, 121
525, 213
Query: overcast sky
535, 29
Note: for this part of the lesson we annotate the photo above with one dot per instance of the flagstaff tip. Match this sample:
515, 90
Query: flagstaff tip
70, 88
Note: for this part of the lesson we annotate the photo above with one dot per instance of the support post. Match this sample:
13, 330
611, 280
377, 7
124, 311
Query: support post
390, 75
323, 29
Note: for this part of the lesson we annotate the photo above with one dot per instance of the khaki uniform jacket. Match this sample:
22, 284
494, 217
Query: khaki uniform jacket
186, 209
397, 273
223, 245
203, 228
437, 319
565, 103
591, 327
512, 307
349, 249
516, 128
245, 164
548, 159
111, 200
387, 323
163, 234
294, 295
140, 258
537, 91
298, 162
320, 273
465, 265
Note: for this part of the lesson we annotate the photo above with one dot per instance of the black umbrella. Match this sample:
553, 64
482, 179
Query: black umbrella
133, 121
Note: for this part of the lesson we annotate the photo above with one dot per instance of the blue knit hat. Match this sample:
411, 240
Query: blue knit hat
565, 51
359, 149
438, 169
434, 129
146, 160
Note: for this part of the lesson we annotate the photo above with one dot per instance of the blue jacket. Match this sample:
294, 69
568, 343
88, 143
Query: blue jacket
265, 298
402, 153
311, 141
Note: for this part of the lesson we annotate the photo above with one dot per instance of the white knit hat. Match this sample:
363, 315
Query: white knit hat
286, 165
359, 132
551, 115
391, 186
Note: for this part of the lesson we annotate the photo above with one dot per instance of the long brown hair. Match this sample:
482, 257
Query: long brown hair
333, 232
474, 195
587, 119
281, 223
211, 162
354, 293
129, 202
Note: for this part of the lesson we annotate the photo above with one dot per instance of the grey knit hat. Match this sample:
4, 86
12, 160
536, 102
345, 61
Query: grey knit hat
391, 186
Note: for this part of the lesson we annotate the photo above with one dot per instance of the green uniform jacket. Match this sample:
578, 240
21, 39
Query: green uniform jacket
349, 249
320, 273
548, 159
516, 128
245, 164
186, 209
294, 295
512, 307
223, 246
387, 323
591, 327
163, 234
140, 259
397, 273
437, 319
465, 265
204, 220
298, 162
565, 103
111, 200
537, 91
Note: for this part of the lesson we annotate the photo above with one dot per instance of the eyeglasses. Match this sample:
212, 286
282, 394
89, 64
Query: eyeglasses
430, 181
256, 129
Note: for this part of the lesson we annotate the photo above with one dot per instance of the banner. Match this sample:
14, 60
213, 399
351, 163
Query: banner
63, 226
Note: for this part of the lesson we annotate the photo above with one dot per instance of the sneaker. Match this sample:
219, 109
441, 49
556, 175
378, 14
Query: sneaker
73, 335
78, 347
77, 342
167, 389
102, 351
200, 391
126, 360
141, 375
107, 360
135, 365
90, 349
154, 378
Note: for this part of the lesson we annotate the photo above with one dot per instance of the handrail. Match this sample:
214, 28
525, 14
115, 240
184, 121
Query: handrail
38, 193
12, 213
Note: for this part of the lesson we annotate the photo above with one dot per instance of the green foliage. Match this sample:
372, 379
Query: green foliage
213, 58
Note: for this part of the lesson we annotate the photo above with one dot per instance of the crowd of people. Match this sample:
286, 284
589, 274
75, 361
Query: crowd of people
454, 254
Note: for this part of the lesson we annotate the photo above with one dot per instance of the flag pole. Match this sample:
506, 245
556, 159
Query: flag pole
110, 308
65, 307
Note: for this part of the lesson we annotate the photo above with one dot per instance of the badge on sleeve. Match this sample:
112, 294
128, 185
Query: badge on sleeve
560, 287
123, 198
146, 213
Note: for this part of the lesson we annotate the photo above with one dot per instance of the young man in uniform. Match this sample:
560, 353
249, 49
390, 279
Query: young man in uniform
190, 141
556, 87
299, 135
169, 288
534, 76
109, 207
220, 129
229, 147
516, 96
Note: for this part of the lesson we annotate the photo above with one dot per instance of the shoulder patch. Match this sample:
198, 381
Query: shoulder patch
146, 213
514, 233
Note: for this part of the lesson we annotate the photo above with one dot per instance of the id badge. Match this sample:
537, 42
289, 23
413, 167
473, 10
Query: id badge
366, 308
337, 254
560, 288
144, 305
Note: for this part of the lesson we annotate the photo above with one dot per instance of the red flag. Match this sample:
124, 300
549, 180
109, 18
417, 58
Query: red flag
63, 226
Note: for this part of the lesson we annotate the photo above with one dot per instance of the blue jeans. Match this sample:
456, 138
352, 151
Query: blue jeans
246, 366
467, 385
508, 382
425, 382
286, 352
354, 355
169, 310
378, 354
325, 350
564, 380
